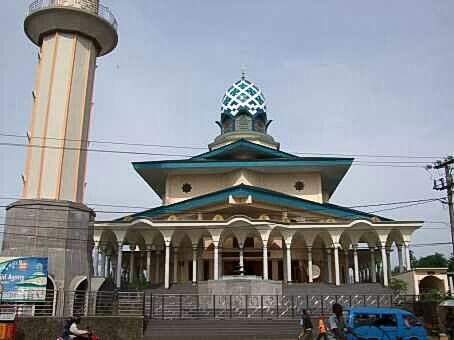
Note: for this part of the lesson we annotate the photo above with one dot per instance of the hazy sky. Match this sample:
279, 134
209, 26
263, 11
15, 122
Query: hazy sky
354, 77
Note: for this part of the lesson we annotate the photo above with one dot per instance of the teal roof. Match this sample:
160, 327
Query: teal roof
232, 157
257, 194
243, 148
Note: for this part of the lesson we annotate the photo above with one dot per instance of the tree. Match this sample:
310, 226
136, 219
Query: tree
436, 260
398, 286
451, 264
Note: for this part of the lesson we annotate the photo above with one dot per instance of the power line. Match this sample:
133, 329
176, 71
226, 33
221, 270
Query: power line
397, 164
172, 146
365, 205
51, 237
165, 209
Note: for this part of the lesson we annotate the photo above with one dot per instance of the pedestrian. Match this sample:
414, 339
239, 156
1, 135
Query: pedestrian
322, 329
336, 324
306, 324
450, 324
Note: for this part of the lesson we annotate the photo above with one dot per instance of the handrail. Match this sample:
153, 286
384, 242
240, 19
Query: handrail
101, 11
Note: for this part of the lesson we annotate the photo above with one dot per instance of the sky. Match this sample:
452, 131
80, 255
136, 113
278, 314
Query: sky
356, 77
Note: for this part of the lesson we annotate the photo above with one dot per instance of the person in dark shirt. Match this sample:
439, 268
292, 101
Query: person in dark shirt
306, 324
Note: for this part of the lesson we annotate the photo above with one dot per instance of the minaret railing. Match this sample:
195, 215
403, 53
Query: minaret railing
90, 6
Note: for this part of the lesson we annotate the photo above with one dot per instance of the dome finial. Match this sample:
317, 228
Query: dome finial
243, 72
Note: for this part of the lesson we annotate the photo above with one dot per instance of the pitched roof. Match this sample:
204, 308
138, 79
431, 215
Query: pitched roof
232, 156
257, 194
243, 147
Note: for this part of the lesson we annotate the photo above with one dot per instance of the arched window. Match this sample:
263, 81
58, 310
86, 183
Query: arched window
243, 123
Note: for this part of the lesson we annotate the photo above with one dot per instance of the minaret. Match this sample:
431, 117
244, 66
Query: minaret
51, 220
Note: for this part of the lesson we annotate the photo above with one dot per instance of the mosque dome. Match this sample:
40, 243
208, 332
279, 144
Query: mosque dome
243, 115
243, 95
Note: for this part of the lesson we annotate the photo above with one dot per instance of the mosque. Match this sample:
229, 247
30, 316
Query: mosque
247, 210
244, 211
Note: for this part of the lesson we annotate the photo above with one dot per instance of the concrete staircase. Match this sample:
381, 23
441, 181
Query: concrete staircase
185, 288
317, 289
221, 329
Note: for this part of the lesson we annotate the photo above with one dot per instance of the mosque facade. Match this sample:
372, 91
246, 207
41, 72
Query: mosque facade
246, 209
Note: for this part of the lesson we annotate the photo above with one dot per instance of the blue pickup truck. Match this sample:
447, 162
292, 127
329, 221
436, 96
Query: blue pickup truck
383, 324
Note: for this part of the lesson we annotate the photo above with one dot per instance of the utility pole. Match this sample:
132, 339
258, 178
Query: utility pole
447, 184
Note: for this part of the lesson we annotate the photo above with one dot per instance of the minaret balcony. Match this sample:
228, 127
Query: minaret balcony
86, 17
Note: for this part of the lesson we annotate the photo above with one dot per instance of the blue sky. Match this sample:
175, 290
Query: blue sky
355, 77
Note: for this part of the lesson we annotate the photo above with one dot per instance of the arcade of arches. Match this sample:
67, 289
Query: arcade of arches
166, 254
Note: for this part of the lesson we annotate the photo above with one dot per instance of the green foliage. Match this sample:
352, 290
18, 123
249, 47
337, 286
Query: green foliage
398, 285
451, 264
139, 284
396, 270
432, 295
436, 260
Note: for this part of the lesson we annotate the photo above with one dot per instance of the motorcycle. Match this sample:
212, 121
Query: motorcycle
90, 336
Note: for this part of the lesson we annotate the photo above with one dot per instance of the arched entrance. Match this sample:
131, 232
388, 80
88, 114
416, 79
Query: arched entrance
431, 284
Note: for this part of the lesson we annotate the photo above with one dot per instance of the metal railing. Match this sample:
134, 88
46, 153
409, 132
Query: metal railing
100, 10
200, 307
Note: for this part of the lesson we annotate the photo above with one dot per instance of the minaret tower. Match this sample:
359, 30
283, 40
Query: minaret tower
50, 219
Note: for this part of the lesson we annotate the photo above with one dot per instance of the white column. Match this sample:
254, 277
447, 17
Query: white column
95, 259
220, 268
265, 260
167, 266
157, 274
103, 263
330, 269
119, 263
384, 261
194, 264
242, 259
355, 262
289, 264
336, 265
451, 286
216, 260
347, 266
373, 265
407, 255
149, 263
388, 263
107, 266
131, 263
309, 264
400, 258
175, 265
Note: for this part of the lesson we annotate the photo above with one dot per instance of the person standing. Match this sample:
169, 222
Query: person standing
336, 324
322, 329
306, 324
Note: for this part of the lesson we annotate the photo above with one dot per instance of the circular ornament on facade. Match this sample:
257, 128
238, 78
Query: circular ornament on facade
315, 271
299, 185
186, 187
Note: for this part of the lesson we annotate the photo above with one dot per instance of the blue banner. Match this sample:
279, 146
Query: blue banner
23, 279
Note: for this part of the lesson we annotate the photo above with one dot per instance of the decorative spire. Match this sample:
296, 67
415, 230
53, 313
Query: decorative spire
243, 72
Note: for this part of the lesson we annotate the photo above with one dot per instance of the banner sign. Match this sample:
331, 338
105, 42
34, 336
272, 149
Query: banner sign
23, 279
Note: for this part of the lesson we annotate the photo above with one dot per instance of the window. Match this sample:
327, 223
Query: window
365, 320
410, 321
299, 185
243, 122
387, 320
186, 188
